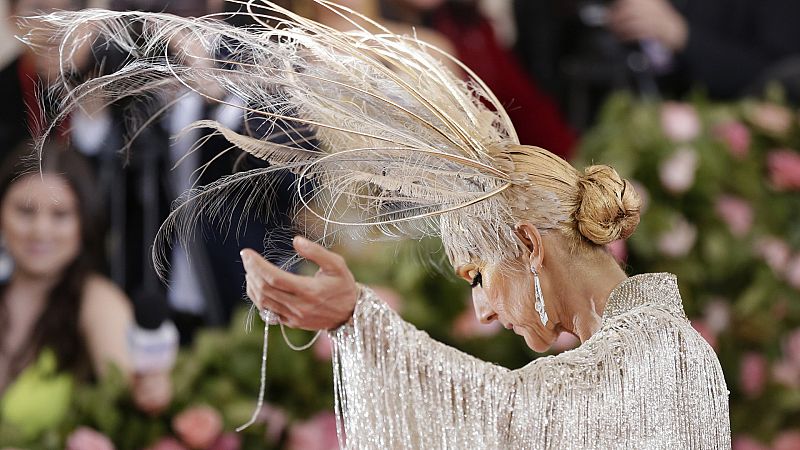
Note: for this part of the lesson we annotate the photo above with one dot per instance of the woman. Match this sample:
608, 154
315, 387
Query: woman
400, 145
54, 299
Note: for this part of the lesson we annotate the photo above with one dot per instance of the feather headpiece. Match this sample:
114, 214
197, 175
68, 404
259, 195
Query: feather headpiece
389, 137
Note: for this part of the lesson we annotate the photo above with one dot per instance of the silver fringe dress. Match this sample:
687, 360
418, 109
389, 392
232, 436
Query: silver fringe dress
646, 379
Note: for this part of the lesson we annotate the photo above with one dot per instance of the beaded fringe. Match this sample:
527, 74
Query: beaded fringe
646, 379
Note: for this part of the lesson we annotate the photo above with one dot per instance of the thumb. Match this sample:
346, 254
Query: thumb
324, 258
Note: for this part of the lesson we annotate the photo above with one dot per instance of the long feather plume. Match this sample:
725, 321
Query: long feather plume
388, 136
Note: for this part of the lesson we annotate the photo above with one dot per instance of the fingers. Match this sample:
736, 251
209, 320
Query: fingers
269, 298
271, 274
327, 260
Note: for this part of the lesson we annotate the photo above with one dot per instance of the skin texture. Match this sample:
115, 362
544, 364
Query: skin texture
575, 286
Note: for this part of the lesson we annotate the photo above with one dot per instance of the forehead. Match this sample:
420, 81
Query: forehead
46, 189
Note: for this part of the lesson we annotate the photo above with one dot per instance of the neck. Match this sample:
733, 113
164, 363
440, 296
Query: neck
583, 300
33, 286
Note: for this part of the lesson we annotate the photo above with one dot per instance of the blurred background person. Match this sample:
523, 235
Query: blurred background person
728, 47
536, 116
53, 297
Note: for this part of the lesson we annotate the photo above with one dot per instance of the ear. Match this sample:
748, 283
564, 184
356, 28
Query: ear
530, 236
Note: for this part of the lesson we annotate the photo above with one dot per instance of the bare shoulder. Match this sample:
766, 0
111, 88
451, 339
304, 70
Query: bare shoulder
101, 296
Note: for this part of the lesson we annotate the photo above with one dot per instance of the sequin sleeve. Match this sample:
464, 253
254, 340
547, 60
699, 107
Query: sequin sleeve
398, 388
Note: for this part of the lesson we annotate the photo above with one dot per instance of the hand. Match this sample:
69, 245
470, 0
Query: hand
152, 392
635, 20
321, 302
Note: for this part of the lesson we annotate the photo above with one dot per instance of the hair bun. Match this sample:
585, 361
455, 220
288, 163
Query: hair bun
609, 206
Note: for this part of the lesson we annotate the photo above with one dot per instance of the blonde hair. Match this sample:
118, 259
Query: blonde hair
597, 205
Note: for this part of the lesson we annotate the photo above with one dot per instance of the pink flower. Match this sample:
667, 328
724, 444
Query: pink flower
678, 171
737, 137
323, 348
619, 249
318, 433
784, 169
792, 273
775, 253
228, 441
717, 315
678, 241
276, 421
390, 296
85, 438
753, 374
169, 443
787, 373
468, 326
644, 194
787, 440
773, 119
198, 427
736, 213
791, 347
705, 331
679, 122
745, 442
566, 341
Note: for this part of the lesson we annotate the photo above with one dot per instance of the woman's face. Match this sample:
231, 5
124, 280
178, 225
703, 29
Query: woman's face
40, 223
507, 295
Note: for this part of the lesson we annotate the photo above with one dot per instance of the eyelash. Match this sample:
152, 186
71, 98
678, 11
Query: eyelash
478, 280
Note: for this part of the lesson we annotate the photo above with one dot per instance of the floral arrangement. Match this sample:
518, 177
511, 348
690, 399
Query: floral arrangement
721, 186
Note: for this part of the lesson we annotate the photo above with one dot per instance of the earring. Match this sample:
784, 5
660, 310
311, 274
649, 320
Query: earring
537, 286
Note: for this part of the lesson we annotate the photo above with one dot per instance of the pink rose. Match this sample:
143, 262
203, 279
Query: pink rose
736, 213
773, 119
736, 136
787, 373
745, 442
792, 273
318, 433
198, 427
678, 241
619, 249
717, 315
276, 421
775, 253
323, 348
565, 341
679, 122
644, 194
390, 296
468, 326
85, 438
791, 347
787, 440
705, 331
753, 374
228, 441
677, 172
784, 169
167, 444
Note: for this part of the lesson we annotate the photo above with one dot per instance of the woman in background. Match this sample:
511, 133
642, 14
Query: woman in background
54, 297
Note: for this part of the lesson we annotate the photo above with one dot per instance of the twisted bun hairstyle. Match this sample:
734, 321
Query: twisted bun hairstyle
595, 206
608, 206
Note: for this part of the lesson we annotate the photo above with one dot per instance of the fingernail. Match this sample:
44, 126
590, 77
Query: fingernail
300, 240
245, 256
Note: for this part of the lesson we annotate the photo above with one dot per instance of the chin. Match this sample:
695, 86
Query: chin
536, 344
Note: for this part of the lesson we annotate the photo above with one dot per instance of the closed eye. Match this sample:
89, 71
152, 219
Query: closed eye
477, 281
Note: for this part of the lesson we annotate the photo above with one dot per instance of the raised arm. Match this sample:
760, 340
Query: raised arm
395, 386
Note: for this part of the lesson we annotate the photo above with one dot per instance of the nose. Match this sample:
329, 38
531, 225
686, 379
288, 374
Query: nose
483, 311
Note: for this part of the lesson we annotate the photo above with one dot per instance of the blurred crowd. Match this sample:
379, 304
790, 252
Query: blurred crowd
76, 278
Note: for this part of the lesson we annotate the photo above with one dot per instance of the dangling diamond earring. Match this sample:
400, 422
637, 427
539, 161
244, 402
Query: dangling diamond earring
537, 286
